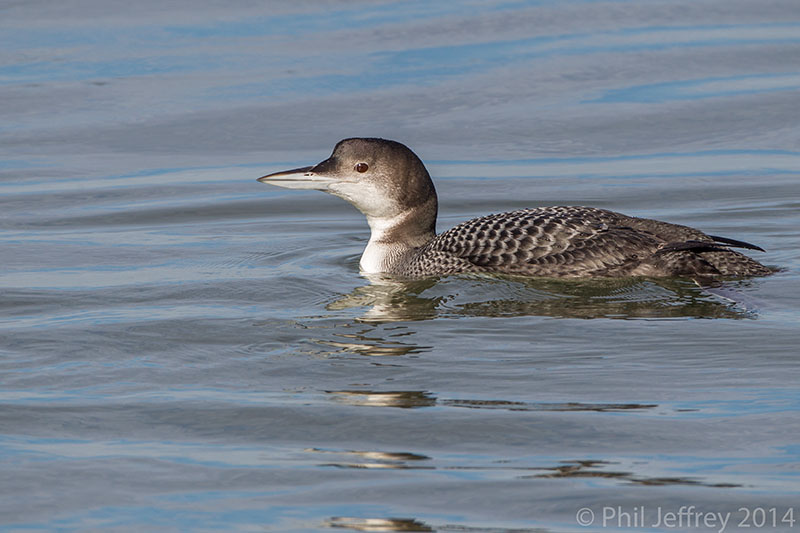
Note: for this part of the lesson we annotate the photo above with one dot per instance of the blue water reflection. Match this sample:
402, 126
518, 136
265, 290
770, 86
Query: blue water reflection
183, 348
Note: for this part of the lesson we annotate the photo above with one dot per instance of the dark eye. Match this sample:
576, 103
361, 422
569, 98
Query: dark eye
362, 167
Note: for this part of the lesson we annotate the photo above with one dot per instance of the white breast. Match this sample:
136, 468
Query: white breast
377, 257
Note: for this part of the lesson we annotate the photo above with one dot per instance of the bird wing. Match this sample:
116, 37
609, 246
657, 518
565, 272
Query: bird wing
548, 241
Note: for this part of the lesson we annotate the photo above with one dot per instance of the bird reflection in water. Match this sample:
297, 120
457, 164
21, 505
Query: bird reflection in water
413, 524
361, 344
378, 524
596, 468
416, 399
375, 459
390, 299
402, 399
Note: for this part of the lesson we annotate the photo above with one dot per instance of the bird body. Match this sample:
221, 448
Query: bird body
573, 241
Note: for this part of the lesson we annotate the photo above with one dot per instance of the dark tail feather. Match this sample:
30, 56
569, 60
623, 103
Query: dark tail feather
698, 263
692, 246
737, 244
704, 260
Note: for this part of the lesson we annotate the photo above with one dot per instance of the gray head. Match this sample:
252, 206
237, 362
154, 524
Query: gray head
382, 179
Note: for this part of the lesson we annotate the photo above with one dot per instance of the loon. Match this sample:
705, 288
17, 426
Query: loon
389, 184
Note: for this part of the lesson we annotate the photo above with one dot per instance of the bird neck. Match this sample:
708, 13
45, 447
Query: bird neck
395, 239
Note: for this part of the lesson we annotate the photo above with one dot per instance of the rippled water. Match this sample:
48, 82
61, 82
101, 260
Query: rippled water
183, 348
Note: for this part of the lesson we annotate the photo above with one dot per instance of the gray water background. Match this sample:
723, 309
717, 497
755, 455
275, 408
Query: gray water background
185, 349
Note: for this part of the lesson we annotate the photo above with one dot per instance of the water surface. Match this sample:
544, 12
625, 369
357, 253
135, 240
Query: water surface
183, 348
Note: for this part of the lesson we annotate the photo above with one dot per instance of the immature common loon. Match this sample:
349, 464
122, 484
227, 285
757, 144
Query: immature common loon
389, 184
